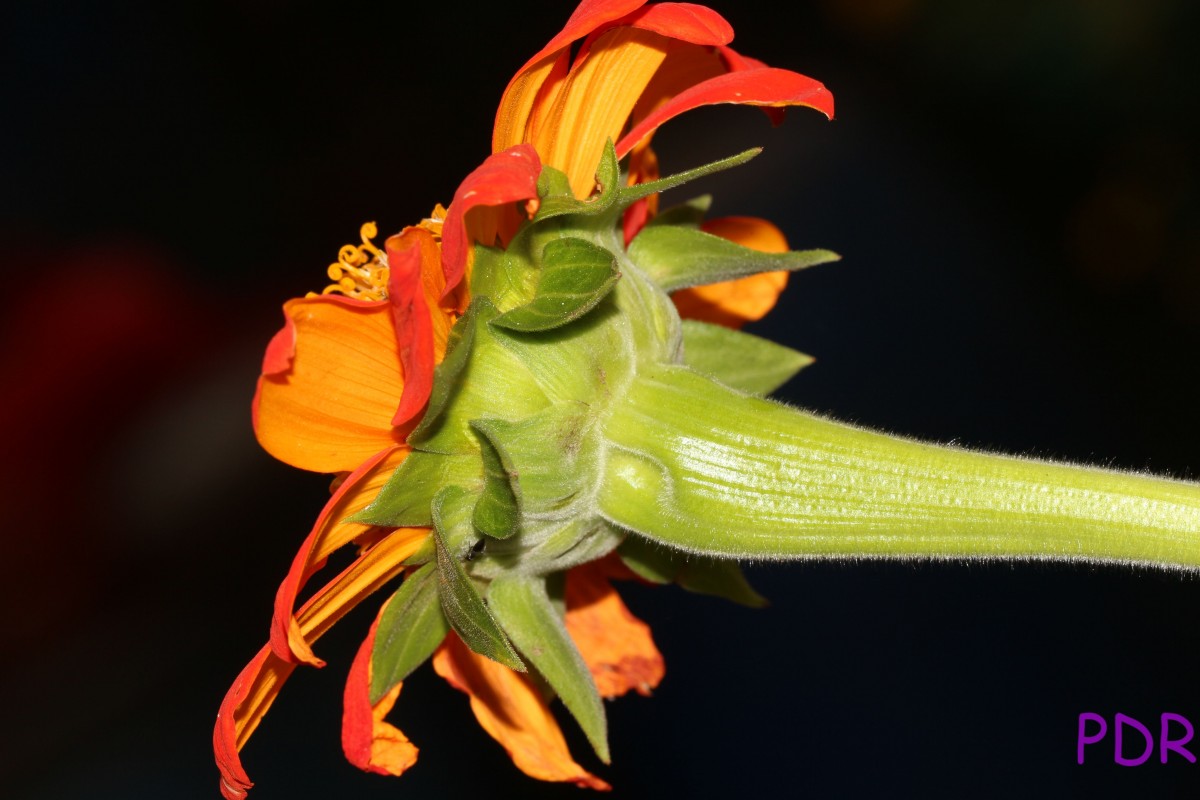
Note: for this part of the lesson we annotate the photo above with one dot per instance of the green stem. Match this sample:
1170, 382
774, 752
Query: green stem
704, 468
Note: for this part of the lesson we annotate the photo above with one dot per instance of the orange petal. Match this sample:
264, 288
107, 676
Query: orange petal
599, 95
331, 408
368, 741
328, 534
616, 645
259, 683
521, 100
734, 303
513, 713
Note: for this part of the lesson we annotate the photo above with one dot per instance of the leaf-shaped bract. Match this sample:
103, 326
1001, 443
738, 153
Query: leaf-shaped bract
406, 499
496, 512
556, 198
527, 615
740, 360
463, 606
719, 577
676, 257
575, 275
411, 628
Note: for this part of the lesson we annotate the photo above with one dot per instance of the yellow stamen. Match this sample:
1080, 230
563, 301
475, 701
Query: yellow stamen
361, 270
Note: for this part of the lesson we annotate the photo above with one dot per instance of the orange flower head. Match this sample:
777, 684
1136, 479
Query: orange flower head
380, 380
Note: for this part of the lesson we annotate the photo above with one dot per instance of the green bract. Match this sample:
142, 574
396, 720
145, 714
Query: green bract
575, 414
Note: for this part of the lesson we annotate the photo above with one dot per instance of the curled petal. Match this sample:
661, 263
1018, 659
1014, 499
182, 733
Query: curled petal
734, 303
330, 383
368, 741
764, 86
259, 683
243, 708
503, 177
616, 645
686, 22
513, 713
411, 255
329, 533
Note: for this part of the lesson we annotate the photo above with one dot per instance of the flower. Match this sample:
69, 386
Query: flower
347, 379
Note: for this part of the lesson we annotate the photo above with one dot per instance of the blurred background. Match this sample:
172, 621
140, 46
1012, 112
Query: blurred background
1013, 186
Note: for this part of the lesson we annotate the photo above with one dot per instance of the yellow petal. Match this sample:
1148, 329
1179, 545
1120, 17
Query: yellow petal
332, 409
513, 713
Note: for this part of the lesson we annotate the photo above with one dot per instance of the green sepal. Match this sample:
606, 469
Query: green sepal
557, 199
458, 534
406, 500
740, 360
486, 380
464, 608
575, 275
631, 194
410, 629
445, 374
676, 257
540, 457
688, 215
496, 513
701, 574
525, 611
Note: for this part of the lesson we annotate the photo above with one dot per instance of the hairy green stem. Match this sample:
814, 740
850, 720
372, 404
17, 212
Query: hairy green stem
701, 467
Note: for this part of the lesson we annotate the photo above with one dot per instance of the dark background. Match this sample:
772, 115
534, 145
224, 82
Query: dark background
1013, 186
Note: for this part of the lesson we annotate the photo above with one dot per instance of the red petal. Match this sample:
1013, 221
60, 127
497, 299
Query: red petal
504, 177
281, 349
414, 326
587, 17
684, 21
255, 688
368, 742
763, 86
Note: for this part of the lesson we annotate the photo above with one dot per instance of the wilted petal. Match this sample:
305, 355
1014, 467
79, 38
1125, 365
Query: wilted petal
369, 742
616, 645
734, 303
513, 713
331, 378
328, 535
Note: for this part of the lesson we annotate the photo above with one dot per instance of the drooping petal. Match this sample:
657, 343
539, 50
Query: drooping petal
328, 534
599, 95
616, 645
521, 100
513, 713
504, 177
243, 708
411, 254
327, 401
643, 168
369, 742
256, 688
765, 86
734, 303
